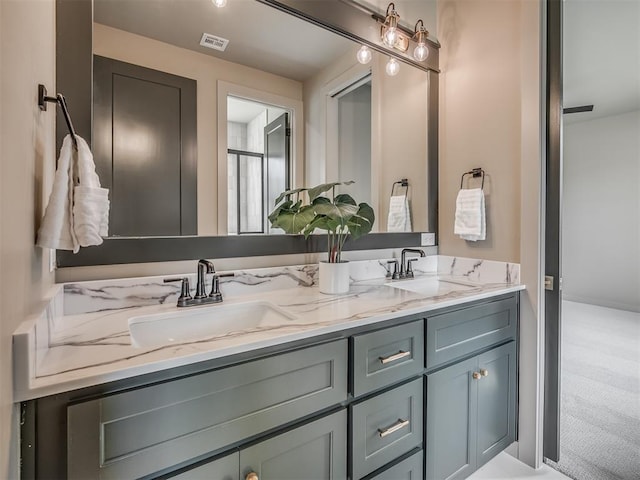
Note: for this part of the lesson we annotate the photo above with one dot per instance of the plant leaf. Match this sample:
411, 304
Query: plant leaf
288, 193
320, 222
280, 208
318, 190
345, 198
341, 212
294, 221
361, 223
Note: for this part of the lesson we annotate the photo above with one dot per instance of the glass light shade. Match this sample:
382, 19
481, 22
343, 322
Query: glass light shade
421, 52
393, 67
390, 36
219, 3
364, 55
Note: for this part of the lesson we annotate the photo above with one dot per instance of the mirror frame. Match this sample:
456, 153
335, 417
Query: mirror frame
74, 79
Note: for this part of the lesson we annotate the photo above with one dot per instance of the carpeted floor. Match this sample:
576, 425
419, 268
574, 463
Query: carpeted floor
600, 392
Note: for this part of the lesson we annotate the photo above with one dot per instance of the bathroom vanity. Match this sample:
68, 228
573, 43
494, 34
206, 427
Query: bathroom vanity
383, 383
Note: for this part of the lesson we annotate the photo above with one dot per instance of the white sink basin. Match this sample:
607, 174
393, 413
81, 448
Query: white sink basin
202, 323
430, 286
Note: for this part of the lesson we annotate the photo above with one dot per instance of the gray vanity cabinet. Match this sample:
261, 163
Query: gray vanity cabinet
429, 396
142, 431
471, 413
225, 468
315, 451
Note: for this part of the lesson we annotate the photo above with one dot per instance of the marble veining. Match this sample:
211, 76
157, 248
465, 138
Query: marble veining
476, 270
56, 352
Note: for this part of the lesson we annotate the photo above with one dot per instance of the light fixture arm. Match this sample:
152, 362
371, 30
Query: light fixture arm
391, 6
420, 33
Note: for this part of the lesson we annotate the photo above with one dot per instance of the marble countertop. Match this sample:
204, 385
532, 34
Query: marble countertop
87, 349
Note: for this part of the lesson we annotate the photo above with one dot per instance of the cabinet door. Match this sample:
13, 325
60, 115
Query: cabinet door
225, 468
315, 451
451, 415
142, 431
496, 401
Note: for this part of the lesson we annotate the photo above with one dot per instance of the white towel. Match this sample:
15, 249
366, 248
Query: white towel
399, 219
470, 221
78, 210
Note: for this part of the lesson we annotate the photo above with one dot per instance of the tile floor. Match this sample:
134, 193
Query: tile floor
506, 467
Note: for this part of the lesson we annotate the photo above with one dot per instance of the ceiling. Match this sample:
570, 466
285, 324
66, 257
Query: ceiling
601, 64
260, 36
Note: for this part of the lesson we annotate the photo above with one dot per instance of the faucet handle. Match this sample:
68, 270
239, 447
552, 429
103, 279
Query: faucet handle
215, 294
409, 272
185, 290
395, 275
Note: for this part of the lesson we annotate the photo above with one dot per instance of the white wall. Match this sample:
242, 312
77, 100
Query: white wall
601, 211
27, 161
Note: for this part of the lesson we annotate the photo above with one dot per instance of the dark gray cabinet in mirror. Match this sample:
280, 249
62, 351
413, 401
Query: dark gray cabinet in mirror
297, 75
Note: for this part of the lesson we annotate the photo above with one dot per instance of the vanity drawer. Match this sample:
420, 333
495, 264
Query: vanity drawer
387, 356
139, 432
385, 427
458, 333
409, 469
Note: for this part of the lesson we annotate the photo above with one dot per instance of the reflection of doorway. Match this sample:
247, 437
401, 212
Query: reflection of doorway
349, 110
258, 146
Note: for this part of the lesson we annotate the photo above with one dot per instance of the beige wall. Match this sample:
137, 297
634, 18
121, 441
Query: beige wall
480, 88
491, 117
207, 71
27, 161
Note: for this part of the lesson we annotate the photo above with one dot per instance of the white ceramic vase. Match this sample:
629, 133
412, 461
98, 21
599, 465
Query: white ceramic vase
334, 277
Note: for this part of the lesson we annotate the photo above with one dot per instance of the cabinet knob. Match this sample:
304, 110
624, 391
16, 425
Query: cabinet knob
484, 372
251, 476
476, 375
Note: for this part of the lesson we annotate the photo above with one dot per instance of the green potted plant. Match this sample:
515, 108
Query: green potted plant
303, 210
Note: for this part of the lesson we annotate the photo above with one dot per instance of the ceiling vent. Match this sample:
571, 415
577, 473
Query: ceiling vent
211, 41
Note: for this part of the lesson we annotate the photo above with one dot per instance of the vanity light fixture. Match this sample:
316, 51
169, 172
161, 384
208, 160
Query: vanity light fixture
391, 33
393, 67
219, 3
364, 55
421, 52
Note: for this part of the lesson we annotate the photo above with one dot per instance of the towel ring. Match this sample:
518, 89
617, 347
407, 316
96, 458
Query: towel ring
475, 173
402, 183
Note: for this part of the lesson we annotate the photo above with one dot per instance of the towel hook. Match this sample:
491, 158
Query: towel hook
402, 183
475, 173
60, 100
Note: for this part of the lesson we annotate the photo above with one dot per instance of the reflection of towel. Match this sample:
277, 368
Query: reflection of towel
399, 219
78, 210
470, 222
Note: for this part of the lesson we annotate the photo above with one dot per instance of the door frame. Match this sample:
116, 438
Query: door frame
552, 238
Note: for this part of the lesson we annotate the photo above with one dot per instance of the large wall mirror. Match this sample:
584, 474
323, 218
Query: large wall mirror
201, 116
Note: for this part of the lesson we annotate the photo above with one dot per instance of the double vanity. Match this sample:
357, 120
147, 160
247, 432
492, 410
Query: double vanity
397, 379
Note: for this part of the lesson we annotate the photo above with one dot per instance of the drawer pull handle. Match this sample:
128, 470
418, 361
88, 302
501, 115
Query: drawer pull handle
393, 428
476, 375
484, 372
251, 476
394, 357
